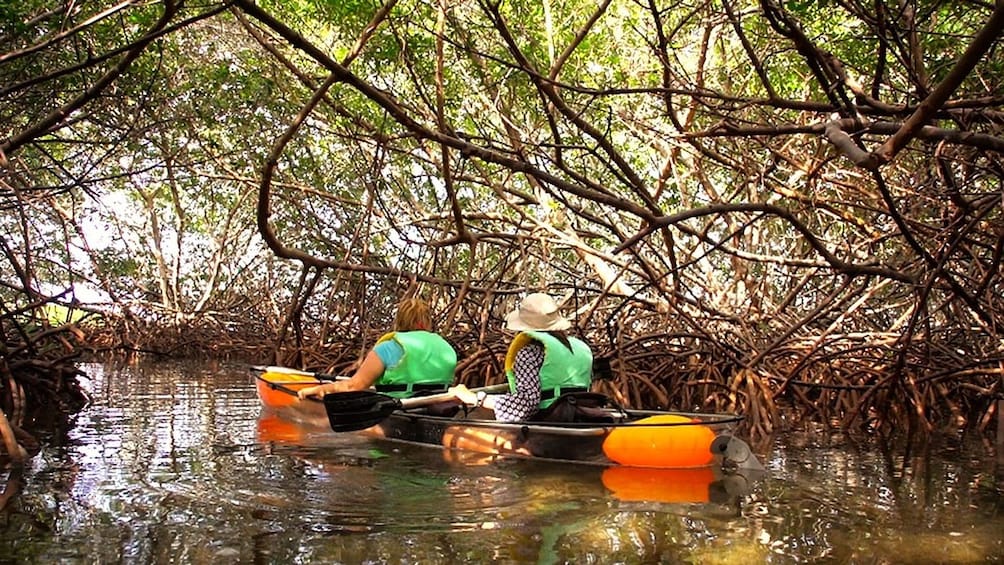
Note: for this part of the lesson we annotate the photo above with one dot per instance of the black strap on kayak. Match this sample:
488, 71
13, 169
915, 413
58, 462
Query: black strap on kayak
550, 393
420, 387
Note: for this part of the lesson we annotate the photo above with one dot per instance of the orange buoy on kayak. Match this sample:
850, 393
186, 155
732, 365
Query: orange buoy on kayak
685, 444
659, 485
272, 428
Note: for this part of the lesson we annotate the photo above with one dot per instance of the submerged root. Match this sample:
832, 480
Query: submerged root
14, 450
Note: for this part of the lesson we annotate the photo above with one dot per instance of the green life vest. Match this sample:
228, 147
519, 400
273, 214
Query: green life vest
428, 360
562, 369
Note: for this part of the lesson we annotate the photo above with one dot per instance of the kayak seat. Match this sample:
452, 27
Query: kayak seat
446, 409
584, 407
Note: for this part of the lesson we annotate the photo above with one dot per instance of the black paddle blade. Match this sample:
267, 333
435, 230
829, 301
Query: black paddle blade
358, 409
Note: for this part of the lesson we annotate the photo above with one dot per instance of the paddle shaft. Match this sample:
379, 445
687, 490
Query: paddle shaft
295, 372
406, 402
413, 402
282, 386
417, 401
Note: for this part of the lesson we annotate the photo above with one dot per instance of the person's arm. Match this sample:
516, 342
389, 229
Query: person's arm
463, 394
364, 377
471, 398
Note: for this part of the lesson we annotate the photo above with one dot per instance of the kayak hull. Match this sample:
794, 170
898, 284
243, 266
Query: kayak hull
629, 438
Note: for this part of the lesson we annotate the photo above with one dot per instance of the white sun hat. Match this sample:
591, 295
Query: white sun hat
539, 312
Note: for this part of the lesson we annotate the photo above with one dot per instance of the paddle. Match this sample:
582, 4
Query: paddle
361, 409
287, 371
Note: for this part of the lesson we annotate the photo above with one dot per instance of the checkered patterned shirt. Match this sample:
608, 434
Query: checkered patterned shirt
523, 403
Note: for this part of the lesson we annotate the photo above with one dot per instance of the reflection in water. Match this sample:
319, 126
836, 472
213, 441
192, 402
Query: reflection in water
178, 464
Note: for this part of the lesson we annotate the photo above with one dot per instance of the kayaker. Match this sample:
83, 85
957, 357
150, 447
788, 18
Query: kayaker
542, 363
409, 361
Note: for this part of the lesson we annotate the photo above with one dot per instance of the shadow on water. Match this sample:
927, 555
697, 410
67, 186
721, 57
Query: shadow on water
177, 463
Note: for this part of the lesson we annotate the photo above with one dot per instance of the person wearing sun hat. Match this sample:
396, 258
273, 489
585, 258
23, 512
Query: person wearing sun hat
542, 363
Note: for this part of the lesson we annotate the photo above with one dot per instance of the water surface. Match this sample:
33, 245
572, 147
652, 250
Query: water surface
177, 463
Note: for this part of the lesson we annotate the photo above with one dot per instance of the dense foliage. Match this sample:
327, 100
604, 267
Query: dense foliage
744, 203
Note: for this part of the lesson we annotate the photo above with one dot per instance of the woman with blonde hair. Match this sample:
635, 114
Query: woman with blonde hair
411, 359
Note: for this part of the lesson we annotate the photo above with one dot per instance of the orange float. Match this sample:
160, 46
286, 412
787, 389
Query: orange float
639, 484
681, 442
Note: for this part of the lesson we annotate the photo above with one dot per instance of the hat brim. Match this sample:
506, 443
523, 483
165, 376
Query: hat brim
514, 322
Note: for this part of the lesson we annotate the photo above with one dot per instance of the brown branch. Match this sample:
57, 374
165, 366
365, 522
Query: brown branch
399, 114
982, 43
838, 133
751, 53
850, 269
48, 123
64, 34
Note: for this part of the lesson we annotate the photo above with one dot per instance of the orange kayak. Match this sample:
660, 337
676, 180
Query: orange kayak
609, 436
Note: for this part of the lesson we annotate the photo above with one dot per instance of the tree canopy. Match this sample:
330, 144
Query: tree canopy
745, 204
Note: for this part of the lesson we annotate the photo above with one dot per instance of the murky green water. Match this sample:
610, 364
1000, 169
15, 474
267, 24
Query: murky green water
176, 464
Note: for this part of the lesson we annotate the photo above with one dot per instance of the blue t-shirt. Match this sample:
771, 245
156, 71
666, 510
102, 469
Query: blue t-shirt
390, 353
